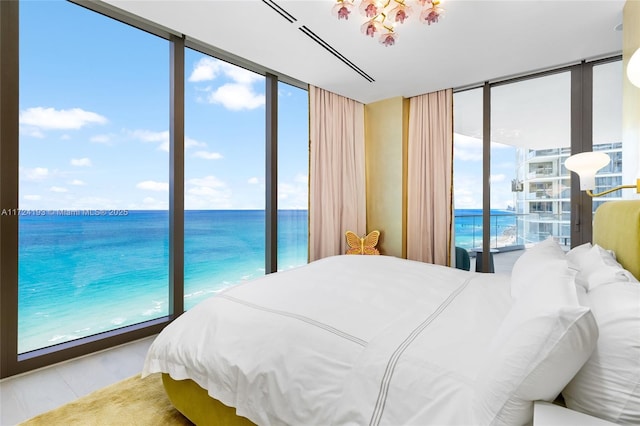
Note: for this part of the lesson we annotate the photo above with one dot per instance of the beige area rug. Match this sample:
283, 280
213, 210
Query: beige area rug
133, 401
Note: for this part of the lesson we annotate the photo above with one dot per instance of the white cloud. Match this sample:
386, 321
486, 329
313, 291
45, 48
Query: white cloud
58, 189
152, 185
81, 162
190, 143
205, 69
147, 136
466, 148
32, 197
208, 155
207, 181
65, 119
497, 178
236, 97
163, 139
240, 75
294, 195
77, 182
100, 139
301, 178
91, 202
35, 174
30, 131
150, 203
207, 192
253, 180
203, 191
466, 192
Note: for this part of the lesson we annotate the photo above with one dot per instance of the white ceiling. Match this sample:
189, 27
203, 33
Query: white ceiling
476, 41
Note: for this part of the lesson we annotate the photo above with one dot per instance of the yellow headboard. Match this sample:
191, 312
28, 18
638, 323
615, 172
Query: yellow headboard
616, 226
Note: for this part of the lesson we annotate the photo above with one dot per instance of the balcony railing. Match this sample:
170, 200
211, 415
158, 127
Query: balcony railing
511, 230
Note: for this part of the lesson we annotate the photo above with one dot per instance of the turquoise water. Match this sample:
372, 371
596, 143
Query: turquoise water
84, 274
468, 228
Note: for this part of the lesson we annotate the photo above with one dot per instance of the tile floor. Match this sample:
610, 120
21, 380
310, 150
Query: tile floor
29, 394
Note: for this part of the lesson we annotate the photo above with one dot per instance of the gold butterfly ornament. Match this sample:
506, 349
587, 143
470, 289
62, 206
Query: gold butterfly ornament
362, 245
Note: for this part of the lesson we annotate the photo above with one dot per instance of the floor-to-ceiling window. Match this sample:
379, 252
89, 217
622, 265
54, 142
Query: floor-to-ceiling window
530, 140
293, 176
535, 123
607, 128
93, 232
467, 166
93, 191
224, 175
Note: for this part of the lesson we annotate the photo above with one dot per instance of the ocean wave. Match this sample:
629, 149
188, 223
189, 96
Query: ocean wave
118, 320
59, 337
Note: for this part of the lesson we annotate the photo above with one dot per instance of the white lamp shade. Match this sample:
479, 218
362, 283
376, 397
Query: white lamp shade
586, 164
633, 68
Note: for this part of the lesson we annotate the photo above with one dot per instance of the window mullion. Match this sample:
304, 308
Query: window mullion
176, 181
581, 141
9, 142
271, 174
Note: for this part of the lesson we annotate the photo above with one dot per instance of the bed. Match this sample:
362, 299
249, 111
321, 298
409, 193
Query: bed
381, 340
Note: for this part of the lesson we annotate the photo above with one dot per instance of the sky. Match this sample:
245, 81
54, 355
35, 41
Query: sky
467, 157
94, 120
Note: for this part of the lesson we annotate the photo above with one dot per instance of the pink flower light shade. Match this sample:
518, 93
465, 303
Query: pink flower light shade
388, 39
383, 15
400, 13
369, 8
342, 9
431, 14
370, 28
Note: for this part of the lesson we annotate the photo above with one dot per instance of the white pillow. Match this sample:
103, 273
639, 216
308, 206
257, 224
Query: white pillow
543, 341
600, 267
608, 385
541, 262
576, 257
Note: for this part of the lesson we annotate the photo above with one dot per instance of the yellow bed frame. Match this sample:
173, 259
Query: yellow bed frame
616, 227
196, 404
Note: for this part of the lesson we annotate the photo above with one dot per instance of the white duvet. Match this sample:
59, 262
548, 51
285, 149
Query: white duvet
343, 340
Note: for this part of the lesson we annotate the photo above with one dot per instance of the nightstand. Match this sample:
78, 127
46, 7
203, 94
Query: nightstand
547, 414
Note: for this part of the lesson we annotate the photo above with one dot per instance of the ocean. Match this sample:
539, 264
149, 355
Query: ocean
85, 272
468, 228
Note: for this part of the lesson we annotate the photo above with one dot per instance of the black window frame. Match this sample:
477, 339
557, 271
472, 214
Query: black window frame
11, 362
581, 75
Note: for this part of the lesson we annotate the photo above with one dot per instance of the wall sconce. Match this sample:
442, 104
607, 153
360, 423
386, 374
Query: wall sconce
586, 164
633, 68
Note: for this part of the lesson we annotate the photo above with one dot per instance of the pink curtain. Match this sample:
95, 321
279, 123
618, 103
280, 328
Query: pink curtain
337, 198
429, 180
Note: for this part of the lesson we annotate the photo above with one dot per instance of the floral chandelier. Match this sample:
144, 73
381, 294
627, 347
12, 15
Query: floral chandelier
383, 15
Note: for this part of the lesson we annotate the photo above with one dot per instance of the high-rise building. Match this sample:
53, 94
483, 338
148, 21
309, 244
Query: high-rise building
542, 191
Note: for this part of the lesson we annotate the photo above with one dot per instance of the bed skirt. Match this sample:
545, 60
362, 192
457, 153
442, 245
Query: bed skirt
196, 404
